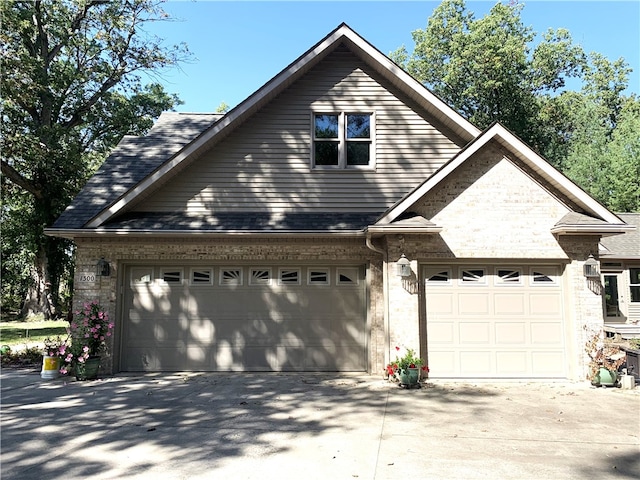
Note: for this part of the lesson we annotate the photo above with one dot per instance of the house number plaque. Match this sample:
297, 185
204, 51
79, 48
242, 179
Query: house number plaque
87, 278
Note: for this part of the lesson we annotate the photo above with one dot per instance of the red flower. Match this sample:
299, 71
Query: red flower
397, 349
425, 368
412, 365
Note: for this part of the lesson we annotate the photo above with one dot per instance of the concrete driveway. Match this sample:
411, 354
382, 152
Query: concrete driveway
306, 426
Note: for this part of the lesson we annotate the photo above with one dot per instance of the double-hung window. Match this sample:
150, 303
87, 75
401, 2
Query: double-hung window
343, 140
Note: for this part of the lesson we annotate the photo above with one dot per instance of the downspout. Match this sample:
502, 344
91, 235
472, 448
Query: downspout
385, 293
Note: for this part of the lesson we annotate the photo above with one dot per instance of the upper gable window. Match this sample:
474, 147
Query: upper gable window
342, 140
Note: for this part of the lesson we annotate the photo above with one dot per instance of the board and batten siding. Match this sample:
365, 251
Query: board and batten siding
264, 165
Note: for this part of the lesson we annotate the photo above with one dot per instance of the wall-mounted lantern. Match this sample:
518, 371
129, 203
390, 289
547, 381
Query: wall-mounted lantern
103, 269
404, 267
591, 268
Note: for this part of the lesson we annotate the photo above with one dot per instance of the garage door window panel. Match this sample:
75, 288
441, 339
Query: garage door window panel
201, 276
473, 276
289, 276
508, 277
318, 276
347, 276
141, 276
544, 277
231, 276
171, 275
260, 276
438, 277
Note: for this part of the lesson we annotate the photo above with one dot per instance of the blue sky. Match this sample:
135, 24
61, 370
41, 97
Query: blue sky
238, 46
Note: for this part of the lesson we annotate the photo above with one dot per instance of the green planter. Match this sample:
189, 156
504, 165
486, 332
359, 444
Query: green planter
87, 370
605, 378
409, 377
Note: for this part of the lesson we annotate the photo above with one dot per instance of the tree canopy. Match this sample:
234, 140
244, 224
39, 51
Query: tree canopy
71, 88
490, 69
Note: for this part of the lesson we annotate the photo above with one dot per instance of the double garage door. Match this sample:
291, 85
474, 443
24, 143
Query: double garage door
494, 321
250, 318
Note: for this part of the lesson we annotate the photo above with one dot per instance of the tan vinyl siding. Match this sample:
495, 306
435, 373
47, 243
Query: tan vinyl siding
264, 165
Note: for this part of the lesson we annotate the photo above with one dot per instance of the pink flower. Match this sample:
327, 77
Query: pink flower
85, 349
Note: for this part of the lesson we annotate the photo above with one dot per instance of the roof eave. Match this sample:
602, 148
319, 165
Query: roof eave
601, 230
375, 230
105, 233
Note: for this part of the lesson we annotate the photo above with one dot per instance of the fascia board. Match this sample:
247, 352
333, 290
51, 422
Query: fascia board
602, 230
103, 233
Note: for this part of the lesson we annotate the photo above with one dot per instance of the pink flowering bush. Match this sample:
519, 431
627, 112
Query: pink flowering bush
55, 347
88, 333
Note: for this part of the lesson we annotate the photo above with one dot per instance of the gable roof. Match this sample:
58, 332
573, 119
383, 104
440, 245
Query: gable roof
596, 219
90, 212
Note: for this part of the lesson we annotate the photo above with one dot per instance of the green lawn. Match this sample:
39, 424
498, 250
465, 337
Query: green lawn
29, 333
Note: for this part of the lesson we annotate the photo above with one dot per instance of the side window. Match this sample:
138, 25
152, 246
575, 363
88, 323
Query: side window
634, 283
343, 140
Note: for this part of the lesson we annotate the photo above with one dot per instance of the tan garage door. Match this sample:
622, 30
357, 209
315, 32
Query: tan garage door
251, 318
494, 321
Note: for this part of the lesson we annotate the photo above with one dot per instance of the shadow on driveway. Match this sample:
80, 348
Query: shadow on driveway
268, 426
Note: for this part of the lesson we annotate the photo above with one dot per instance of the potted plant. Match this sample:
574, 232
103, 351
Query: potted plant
406, 369
604, 360
54, 350
88, 332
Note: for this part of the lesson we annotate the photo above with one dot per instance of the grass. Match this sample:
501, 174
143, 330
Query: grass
21, 343
27, 333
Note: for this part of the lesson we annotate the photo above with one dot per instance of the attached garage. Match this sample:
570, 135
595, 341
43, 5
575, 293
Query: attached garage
494, 321
249, 318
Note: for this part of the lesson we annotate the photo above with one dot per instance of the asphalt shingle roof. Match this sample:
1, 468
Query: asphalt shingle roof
131, 161
627, 244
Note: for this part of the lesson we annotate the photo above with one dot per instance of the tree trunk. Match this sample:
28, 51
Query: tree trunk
39, 296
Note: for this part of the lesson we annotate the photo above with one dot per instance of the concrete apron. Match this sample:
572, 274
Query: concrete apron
324, 426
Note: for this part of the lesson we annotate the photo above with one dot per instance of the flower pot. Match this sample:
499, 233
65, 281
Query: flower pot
605, 377
87, 370
409, 376
50, 367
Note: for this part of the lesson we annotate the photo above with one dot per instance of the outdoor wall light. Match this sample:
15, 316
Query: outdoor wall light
404, 267
103, 269
591, 268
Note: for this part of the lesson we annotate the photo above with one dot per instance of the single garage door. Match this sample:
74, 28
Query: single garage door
249, 318
494, 321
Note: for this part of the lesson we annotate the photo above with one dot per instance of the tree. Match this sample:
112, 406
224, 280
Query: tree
488, 70
71, 88
485, 68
